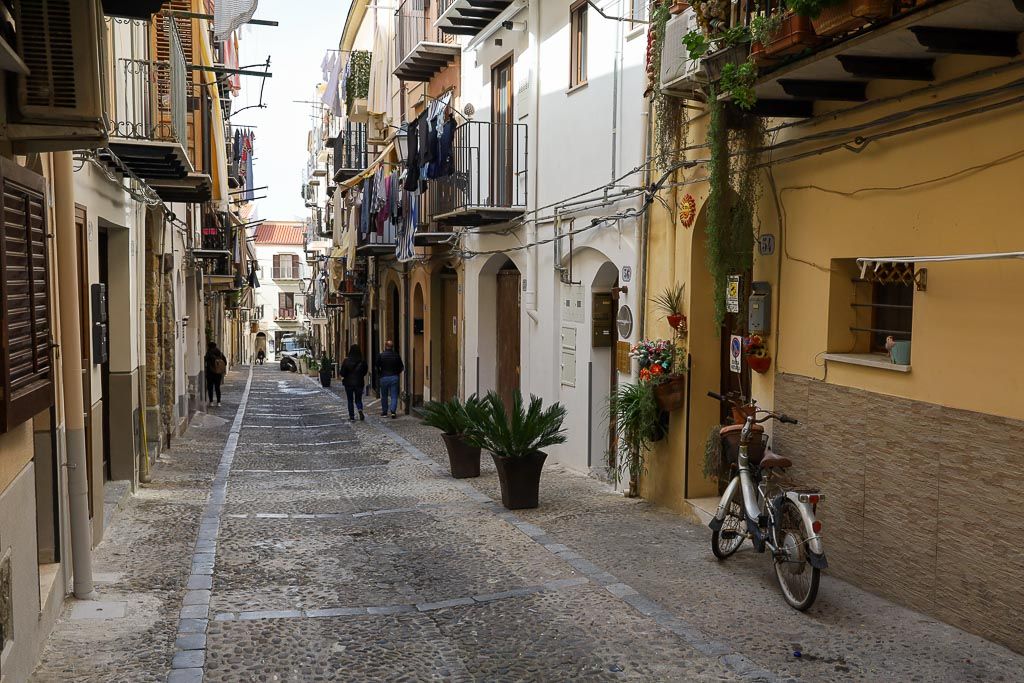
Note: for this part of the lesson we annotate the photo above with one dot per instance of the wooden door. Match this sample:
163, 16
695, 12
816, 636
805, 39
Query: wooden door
508, 333
449, 336
501, 133
81, 228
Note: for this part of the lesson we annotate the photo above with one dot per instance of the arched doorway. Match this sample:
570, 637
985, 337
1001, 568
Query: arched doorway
507, 330
604, 375
418, 359
394, 328
447, 332
261, 344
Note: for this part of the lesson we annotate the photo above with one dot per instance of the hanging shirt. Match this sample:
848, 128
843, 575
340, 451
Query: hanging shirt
412, 169
445, 163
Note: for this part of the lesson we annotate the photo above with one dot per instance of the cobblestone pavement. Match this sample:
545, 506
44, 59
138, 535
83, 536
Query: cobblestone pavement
283, 543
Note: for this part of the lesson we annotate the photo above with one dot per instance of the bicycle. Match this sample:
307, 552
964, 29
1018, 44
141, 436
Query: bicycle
760, 505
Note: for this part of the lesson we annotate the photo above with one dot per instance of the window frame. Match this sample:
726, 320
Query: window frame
578, 43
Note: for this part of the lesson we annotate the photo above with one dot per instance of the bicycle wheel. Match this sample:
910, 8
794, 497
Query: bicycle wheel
728, 539
797, 578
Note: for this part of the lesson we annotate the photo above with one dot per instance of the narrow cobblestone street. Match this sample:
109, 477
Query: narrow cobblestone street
280, 542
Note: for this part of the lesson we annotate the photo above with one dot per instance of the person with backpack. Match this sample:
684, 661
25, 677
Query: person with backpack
216, 367
389, 367
353, 377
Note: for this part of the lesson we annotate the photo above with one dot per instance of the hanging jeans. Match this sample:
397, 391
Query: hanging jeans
389, 389
355, 400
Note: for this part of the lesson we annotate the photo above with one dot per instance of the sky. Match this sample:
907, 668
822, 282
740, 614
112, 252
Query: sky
308, 28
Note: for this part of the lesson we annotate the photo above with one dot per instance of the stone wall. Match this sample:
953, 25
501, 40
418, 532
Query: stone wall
923, 501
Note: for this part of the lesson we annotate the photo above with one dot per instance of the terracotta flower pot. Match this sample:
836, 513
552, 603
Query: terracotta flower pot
759, 364
678, 7
463, 459
850, 15
519, 479
795, 35
671, 394
676, 320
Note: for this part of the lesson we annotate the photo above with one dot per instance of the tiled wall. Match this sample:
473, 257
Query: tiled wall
924, 502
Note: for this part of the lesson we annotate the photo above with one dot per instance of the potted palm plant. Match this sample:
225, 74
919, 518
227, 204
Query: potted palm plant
637, 421
515, 437
326, 370
450, 417
670, 302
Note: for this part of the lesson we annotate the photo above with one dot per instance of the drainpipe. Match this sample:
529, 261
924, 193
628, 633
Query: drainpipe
532, 269
71, 374
645, 224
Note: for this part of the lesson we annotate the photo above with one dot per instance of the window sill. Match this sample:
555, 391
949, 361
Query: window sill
576, 88
869, 360
637, 31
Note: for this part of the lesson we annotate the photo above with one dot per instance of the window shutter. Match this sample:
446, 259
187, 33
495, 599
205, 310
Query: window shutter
295, 266
277, 266
26, 368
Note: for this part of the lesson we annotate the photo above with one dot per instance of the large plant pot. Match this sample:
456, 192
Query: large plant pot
520, 479
794, 36
671, 394
850, 15
325, 378
463, 459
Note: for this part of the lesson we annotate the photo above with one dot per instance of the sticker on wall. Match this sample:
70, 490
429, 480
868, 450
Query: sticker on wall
688, 211
732, 294
735, 353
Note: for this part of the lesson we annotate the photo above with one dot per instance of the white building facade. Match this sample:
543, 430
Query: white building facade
280, 300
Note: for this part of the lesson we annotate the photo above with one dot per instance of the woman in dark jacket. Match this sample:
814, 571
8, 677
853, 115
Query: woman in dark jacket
353, 376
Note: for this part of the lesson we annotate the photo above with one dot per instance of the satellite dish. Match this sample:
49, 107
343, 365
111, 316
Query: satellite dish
469, 110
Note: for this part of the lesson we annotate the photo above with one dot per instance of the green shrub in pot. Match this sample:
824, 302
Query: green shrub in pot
450, 417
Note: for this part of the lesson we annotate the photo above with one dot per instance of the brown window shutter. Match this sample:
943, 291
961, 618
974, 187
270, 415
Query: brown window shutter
295, 266
277, 266
26, 368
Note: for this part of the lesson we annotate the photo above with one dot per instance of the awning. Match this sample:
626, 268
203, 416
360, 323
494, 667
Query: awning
219, 170
874, 263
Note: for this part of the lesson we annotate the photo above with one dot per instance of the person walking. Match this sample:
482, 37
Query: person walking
216, 366
389, 367
353, 377
261, 356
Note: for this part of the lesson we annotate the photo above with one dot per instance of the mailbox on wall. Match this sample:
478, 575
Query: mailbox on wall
100, 333
602, 319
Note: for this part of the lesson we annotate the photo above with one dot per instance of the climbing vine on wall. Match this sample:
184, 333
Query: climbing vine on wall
733, 196
358, 84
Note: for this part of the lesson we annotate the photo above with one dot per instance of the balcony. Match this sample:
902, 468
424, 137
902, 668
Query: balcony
379, 245
468, 17
488, 182
219, 271
421, 50
838, 56
351, 153
148, 93
284, 314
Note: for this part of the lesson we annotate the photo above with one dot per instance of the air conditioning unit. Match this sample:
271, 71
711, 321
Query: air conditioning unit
59, 103
680, 75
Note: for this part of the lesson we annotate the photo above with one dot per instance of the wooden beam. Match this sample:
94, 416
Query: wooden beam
965, 41
845, 91
895, 68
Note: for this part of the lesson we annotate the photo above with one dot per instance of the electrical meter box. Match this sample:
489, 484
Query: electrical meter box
759, 318
100, 344
99, 302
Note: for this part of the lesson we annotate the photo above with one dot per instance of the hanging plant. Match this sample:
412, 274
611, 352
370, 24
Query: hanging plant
637, 426
358, 84
732, 198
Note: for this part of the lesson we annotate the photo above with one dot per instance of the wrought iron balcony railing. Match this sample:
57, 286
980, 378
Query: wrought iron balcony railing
284, 314
487, 183
148, 95
351, 153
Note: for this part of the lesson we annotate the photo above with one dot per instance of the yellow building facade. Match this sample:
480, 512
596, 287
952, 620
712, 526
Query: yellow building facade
920, 462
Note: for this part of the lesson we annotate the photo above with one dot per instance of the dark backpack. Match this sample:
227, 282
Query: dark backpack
219, 366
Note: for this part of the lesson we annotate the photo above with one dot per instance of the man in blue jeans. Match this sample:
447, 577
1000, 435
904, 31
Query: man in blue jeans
389, 367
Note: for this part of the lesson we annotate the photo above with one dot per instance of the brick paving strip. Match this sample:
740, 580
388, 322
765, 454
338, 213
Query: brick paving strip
190, 645
693, 636
547, 586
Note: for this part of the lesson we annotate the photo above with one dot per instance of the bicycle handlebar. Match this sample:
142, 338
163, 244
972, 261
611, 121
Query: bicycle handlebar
768, 414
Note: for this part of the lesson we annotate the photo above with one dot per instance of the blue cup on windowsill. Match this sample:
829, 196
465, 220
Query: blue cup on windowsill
900, 353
